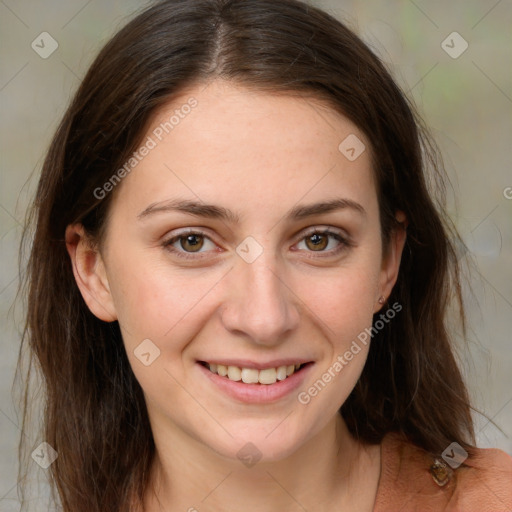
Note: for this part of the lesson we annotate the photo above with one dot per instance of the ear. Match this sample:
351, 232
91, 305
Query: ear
391, 259
89, 272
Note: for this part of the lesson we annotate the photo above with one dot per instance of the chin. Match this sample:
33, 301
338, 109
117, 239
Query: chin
256, 445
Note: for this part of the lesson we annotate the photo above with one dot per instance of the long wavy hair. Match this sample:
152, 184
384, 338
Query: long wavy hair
94, 412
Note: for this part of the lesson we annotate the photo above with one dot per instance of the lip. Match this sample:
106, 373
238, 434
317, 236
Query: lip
246, 363
258, 393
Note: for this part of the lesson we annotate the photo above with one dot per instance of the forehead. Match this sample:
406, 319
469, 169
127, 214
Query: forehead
224, 143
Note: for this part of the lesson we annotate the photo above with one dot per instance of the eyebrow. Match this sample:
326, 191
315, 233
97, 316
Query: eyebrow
218, 212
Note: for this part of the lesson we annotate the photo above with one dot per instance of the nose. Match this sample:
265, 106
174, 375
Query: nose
259, 303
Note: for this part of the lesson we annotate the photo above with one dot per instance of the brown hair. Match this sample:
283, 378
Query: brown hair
95, 415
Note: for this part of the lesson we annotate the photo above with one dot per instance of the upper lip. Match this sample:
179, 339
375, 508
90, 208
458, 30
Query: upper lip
246, 363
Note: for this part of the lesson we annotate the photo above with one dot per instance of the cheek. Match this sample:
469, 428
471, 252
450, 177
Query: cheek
343, 306
344, 301
154, 301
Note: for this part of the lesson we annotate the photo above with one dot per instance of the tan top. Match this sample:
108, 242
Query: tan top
483, 483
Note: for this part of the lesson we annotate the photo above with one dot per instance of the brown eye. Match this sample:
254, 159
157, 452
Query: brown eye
324, 242
191, 243
317, 241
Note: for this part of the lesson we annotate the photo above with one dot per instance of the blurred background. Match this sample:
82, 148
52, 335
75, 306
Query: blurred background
452, 58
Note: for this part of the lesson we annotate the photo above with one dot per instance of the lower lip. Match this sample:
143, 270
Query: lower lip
257, 393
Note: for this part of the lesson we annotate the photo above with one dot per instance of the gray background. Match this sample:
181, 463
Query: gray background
467, 102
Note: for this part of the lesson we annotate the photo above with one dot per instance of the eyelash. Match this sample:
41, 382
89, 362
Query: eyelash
344, 243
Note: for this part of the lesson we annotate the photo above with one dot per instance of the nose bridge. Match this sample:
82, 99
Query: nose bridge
259, 302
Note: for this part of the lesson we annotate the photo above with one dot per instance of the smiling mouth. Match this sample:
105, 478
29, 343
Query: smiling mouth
265, 376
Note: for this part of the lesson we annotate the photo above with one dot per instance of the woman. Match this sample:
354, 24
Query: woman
300, 360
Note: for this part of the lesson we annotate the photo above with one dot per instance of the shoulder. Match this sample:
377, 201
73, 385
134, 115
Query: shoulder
415, 480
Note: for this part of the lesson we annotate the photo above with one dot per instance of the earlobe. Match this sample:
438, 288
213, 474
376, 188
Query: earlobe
391, 261
90, 274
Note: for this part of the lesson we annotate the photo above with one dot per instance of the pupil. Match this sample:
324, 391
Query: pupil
317, 240
191, 240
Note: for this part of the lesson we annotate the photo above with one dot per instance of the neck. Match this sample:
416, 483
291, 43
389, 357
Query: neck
330, 468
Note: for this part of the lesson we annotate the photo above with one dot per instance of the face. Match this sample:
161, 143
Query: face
254, 284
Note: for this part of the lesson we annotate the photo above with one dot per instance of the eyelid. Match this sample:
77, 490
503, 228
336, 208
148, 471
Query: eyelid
324, 229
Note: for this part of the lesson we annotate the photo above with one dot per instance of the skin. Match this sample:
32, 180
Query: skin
258, 154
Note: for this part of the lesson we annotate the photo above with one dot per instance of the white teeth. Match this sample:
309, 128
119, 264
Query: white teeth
252, 375
281, 373
234, 373
268, 376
